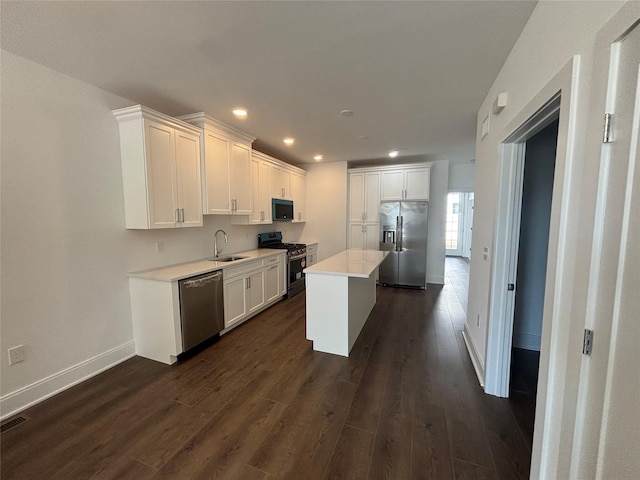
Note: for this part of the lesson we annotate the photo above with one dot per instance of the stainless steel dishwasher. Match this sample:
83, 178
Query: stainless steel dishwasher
201, 308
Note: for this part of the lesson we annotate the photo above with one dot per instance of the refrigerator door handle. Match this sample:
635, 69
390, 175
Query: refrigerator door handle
400, 230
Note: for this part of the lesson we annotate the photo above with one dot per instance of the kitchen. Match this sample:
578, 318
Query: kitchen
65, 249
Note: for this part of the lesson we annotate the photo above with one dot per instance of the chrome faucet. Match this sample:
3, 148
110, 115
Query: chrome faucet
216, 252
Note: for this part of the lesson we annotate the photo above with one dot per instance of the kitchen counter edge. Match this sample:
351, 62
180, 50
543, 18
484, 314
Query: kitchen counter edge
180, 271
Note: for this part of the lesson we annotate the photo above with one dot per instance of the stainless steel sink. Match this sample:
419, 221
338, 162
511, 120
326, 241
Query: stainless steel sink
232, 258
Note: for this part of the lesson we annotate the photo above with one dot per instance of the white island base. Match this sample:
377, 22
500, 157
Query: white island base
341, 292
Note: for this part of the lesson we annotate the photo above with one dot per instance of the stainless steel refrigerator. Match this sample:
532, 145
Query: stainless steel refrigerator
403, 232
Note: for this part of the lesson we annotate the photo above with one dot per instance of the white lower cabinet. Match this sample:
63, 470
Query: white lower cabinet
235, 303
272, 283
312, 254
249, 287
255, 291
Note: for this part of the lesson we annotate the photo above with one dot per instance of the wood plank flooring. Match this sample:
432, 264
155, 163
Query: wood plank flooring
261, 404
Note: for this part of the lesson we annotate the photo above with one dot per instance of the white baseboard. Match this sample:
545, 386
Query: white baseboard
25, 397
439, 279
475, 359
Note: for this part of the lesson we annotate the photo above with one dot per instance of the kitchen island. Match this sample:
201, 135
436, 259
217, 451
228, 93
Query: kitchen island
341, 292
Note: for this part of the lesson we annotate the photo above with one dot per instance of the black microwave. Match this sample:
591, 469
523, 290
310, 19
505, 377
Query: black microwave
281, 210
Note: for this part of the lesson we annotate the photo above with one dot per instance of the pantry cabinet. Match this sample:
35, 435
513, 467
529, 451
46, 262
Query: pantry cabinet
160, 170
371, 185
364, 197
226, 166
364, 236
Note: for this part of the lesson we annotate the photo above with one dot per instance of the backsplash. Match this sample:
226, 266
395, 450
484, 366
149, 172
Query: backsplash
187, 244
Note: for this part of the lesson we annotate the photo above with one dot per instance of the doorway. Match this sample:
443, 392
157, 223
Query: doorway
531, 270
458, 226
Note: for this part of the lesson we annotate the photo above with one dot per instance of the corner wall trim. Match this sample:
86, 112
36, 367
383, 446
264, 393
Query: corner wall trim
29, 395
473, 354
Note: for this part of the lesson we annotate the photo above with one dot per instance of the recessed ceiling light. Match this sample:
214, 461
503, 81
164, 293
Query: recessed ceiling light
289, 141
393, 153
317, 158
346, 113
240, 112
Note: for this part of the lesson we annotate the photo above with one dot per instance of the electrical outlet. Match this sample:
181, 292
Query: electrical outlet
159, 246
16, 354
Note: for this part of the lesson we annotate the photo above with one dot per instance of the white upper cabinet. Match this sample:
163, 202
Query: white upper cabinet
299, 197
364, 197
160, 169
188, 178
280, 182
264, 192
226, 169
416, 182
405, 184
240, 178
272, 178
260, 193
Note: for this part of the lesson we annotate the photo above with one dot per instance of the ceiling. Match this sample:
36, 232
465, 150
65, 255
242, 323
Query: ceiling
413, 73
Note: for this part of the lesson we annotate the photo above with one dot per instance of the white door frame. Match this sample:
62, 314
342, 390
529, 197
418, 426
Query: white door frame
507, 240
461, 218
560, 261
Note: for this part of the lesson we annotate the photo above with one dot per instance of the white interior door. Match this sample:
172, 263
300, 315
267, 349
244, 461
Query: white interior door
608, 421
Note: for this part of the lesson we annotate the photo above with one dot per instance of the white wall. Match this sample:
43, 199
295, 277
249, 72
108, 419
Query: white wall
555, 33
326, 208
546, 44
461, 177
65, 251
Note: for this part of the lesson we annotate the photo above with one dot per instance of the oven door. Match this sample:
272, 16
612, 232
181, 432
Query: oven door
297, 264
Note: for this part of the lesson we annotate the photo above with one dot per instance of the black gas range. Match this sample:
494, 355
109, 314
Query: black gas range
296, 259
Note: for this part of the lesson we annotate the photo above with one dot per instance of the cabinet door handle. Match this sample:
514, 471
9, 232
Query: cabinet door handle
262, 215
248, 282
177, 215
182, 215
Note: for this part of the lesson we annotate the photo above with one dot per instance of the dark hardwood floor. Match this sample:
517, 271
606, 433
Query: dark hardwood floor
261, 404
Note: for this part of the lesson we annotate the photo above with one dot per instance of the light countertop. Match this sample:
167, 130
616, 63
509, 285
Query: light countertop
350, 263
185, 270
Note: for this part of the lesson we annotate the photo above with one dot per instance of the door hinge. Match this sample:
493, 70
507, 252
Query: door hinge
511, 287
606, 134
587, 342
